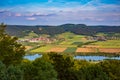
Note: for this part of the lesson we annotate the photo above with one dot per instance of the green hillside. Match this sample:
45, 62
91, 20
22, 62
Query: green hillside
22, 30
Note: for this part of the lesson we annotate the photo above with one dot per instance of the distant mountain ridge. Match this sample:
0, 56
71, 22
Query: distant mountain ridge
21, 30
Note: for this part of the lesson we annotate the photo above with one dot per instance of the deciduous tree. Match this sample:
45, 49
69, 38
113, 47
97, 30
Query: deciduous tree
11, 52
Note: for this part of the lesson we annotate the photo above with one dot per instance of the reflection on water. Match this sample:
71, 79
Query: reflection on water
32, 57
93, 58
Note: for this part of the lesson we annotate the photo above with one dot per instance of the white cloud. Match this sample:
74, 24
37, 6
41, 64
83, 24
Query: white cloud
31, 18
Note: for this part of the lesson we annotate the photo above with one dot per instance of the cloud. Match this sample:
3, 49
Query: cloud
18, 14
31, 18
39, 15
3, 11
53, 12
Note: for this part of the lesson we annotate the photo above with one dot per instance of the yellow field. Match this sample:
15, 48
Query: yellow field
109, 50
57, 50
28, 47
86, 50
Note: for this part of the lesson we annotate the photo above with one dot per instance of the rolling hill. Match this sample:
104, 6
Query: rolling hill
22, 30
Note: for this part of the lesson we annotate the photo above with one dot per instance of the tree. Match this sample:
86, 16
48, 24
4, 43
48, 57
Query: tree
2, 71
92, 72
112, 68
44, 70
10, 73
28, 69
64, 66
39, 69
11, 52
14, 73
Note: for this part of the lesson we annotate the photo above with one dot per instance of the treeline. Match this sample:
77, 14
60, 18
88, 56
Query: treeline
21, 30
55, 66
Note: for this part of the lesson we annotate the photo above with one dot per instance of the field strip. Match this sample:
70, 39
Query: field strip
28, 47
91, 46
109, 50
42, 49
86, 50
70, 49
64, 46
57, 50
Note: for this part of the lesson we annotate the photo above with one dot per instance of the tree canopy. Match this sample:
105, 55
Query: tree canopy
11, 52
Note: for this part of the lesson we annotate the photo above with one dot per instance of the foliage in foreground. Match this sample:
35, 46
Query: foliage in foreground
10, 51
39, 70
61, 67
10, 73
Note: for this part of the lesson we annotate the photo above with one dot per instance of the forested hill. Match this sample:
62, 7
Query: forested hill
21, 30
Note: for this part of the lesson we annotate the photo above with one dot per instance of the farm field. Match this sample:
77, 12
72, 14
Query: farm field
70, 50
56, 50
73, 43
109, 50
86, 50
67, 49
41, 49
28, 47
107, 44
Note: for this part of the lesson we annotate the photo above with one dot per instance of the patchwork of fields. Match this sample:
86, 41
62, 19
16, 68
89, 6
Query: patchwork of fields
73, 49
78, 44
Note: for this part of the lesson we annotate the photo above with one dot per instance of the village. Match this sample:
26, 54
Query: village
39, 39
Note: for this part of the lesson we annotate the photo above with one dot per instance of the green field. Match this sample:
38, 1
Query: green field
70, 49
62, 46
108, 44
42, 49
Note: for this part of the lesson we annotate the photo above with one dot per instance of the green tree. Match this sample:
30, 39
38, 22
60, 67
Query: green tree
28, 69
64, 66
44, 70
10, 73
2, 71
112, 68
11, 52
39, 69
92, 72
14, 73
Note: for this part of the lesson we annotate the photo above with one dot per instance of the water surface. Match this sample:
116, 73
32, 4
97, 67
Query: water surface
32, 57
92, 58
95, 58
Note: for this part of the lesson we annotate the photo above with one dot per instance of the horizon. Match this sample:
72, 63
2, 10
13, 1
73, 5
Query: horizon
54, 12
55, 25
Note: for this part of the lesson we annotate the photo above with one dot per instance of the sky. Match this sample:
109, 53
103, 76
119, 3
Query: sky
57, 12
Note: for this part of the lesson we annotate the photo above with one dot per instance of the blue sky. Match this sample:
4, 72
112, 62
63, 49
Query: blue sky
56, 12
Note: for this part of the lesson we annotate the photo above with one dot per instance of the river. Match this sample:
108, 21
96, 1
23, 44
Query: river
88, 58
